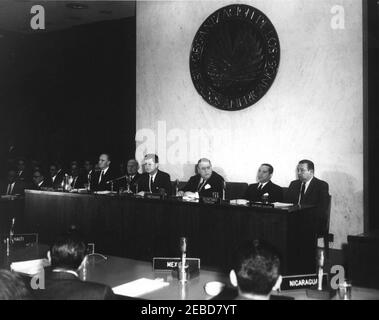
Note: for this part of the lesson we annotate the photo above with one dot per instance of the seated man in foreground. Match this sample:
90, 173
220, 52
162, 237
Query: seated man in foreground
205, 183
62, 280
255, 273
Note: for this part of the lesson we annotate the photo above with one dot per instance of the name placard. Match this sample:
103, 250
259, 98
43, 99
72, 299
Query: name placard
170, 264
25, 238
261, 205
153, 196
305, 281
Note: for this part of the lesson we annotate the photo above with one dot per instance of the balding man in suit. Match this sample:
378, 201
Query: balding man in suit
205, 182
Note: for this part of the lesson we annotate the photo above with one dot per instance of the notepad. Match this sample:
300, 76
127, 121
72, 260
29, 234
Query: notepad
139, 287
29, 267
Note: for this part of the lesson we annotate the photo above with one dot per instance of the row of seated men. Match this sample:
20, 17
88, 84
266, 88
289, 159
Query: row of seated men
254, 276
306, 190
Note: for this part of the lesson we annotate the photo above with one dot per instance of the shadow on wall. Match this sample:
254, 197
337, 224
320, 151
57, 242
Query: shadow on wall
346, 215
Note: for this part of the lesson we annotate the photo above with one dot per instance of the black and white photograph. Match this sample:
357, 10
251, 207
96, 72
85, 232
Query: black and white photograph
180, 156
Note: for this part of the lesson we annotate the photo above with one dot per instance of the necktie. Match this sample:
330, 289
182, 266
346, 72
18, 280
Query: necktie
302, 192
260, 186
101, 176
151, 184
201, 185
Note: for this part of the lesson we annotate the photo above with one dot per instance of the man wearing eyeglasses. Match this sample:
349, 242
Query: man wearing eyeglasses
205, 183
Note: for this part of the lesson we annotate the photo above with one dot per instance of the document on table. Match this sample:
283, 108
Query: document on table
139, 287
30, 267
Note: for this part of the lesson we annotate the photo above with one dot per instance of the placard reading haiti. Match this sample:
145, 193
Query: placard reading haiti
235, 57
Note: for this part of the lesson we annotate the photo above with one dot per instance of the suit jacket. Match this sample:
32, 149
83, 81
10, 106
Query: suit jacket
162, 181
109, 175
66, 286
275, 192
215, 183
79, 182
57, 181
317, 195
24, 176
124, 183
19, 187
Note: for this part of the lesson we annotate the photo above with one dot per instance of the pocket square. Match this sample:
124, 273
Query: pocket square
207, 187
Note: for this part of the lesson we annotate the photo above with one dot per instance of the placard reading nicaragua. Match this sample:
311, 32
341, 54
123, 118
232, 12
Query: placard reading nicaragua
235, 57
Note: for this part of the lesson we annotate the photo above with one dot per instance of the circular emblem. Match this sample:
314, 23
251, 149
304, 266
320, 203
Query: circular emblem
235, 57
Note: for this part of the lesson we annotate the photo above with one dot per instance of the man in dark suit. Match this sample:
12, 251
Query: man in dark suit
77, 180
205, 183
39, 182
153, 180
12, 186
132, 175
100, 180
255, 273
62, 280
22, 174
308, 190
264, 186
55, 179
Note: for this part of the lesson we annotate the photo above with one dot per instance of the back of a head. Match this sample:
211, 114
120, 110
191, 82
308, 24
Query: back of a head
12, 287
257, 267
68, 251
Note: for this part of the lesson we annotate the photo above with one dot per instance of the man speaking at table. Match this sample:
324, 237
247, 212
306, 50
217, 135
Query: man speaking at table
153, 180
100, 180
205, 183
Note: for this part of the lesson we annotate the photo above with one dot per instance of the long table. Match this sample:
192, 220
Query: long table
141, 229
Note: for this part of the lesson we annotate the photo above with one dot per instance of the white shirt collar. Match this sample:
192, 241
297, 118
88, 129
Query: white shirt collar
105, 170
263, 184
40, 183
307, 185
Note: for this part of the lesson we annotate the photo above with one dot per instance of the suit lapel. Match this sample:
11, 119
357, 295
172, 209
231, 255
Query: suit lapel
310, 187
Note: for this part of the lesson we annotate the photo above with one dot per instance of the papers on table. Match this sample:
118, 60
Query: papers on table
30, 267
139, 287
281, 205
239, 202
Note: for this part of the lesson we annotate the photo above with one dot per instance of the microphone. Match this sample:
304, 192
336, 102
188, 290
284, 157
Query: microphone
183, 245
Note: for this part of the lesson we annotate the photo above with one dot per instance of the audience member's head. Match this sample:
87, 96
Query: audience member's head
67, 252
256, 270
151, 163
12, 287
205, 168
305, 170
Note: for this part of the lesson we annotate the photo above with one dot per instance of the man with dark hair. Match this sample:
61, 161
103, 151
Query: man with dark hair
256, 271
154, 180
62, 281
205, 182
100, 180
12, 186
12, 287
22, 174
308, 190
264, 186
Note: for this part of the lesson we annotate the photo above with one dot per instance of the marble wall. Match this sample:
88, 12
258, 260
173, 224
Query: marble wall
313, 110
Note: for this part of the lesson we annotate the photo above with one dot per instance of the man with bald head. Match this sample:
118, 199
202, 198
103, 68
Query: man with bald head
132, 175
205, 182
100, 179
